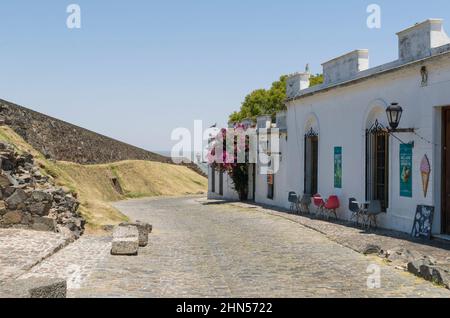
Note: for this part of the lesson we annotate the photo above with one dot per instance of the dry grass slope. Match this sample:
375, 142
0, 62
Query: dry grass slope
95, 189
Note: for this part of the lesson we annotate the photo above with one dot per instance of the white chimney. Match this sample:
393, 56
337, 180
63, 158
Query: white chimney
264, 122
282, 120
296, 83
418, 41
248, 123
345, 67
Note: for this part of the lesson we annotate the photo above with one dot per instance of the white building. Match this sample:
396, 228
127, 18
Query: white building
346, 116
269, 189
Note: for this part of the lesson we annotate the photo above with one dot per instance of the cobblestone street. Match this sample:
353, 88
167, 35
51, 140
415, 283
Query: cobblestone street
223, 250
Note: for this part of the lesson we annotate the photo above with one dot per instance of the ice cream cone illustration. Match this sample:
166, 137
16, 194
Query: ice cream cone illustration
425, 170
425, 182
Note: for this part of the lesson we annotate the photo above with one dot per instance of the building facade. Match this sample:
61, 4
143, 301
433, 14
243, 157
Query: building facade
338, 140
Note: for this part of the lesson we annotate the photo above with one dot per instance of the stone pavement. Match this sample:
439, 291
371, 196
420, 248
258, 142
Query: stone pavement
75, 262
201, 250
20, 250
348, 235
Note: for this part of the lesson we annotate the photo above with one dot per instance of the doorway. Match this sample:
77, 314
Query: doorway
221, 181
213, 179
377, 164
252, 182
311, 162
446, 170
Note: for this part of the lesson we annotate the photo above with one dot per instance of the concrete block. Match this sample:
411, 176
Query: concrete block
125, 241
144, 230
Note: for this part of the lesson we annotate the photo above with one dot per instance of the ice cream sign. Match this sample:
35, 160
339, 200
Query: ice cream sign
406, 154
425, 170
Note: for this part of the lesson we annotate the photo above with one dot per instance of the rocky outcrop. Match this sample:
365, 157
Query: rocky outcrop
429, 270
29, 200
420, 265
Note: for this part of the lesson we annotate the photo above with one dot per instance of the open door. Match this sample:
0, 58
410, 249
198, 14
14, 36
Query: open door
446, 170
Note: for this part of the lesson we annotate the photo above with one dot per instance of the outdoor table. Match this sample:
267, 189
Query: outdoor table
363, 205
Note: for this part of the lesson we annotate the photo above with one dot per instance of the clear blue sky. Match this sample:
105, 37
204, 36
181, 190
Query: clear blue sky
139, 68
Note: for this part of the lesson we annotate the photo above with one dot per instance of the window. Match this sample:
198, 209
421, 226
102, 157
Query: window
377, 164
311, 162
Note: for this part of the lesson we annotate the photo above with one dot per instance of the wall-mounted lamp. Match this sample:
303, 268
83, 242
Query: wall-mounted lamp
394, 114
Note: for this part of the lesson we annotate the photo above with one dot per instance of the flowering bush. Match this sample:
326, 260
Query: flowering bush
229, 153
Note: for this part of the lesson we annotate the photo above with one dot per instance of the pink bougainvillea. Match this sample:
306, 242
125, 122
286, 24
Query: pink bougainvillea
227, 153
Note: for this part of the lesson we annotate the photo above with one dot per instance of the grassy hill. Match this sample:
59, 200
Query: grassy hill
94, 184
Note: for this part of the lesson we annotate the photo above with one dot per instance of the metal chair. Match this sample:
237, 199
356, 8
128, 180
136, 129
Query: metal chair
305, 202
293, 199
332, 205
319, 203
372, 213
357, 213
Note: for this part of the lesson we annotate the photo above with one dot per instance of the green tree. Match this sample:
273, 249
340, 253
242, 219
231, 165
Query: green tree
267, 102
316, 80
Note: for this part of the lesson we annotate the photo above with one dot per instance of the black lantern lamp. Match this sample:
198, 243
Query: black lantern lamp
394, 113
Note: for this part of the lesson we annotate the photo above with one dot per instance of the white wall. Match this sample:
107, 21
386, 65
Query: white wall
342, 115
281, 188
228, 190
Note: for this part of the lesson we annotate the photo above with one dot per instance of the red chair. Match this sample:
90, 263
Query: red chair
332, 205
319, 203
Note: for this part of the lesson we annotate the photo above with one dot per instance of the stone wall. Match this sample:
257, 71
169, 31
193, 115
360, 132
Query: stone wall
59, 140
29, 199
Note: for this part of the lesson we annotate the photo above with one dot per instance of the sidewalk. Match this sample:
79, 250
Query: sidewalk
21, 250
427, 259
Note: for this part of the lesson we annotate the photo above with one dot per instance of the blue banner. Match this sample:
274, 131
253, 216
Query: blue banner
406, 159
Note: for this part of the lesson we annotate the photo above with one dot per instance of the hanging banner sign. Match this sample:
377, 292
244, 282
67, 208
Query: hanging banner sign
406, 158
338, 167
